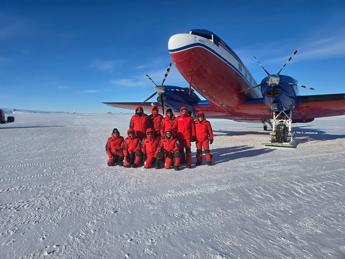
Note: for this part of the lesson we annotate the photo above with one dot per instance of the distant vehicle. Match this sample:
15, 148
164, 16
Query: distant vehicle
6, 115
211, 67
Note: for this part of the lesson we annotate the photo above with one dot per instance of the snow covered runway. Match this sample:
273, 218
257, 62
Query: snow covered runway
59, 199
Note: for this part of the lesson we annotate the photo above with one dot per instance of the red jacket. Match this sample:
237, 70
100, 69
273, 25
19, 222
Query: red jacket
169, 123
203, 130
114, 146
156, 122
185, 127
150, 146
139, 124
131, 145
169, 145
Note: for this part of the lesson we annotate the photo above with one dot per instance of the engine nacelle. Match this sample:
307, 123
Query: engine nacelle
175, 97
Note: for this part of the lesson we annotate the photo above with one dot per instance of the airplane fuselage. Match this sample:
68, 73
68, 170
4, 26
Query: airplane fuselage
211, 67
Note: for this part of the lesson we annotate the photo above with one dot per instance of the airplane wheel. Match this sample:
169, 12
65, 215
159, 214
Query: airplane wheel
10, 119
265, 128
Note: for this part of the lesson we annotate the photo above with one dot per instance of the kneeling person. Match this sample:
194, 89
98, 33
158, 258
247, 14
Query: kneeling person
150, 148
132, 152
169, 151
114, 148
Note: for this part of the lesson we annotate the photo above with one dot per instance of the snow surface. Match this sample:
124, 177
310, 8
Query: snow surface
59, 199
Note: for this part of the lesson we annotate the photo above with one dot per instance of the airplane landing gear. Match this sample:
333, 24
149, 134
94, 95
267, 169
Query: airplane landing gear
282, 134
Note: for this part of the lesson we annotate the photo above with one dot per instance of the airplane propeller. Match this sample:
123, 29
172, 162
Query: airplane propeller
260, 64
304, 86
288, 61
273, 79
160, 89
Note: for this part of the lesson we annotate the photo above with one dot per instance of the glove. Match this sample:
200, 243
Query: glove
193, 139
211, 141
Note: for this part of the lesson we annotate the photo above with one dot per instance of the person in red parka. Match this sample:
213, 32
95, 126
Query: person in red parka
114, 148
156, 120
169, 153
169, 122
132, 150
204, 137
139, 122
185, 134
150, 148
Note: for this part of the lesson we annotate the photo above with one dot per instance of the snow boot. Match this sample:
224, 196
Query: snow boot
159, 164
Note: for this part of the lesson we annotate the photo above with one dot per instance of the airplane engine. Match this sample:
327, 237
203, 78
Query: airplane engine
175, 97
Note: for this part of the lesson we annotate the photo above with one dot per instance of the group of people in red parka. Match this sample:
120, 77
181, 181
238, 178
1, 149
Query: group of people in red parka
157, 141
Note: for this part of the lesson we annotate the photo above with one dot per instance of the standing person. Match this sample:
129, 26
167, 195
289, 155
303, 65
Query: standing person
185, 134
150, 148
156, 120
139, 122
169, 122
204, 137
169, 153
131, 151
114, 148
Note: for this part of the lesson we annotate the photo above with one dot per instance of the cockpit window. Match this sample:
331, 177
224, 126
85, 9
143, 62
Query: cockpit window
204, 35
215, 39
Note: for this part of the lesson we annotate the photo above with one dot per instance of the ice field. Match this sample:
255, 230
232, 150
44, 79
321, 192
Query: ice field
58, 198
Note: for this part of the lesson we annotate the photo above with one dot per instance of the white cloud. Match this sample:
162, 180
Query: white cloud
140, 80
130, 82
330, 44
62, 87
323, 48
106, 65
12, 27
4, 60
89, 91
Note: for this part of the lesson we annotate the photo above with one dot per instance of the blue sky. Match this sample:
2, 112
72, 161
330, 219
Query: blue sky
72, 55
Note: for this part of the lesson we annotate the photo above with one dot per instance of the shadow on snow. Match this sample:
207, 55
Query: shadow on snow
225, 154
311, 134
238, 133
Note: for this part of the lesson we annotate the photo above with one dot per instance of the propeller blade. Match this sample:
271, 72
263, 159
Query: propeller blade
307, 87
148, 98
288, 61
259, 63
166, 73
151, 80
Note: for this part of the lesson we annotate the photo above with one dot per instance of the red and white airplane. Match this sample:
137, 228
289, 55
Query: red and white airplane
211, 67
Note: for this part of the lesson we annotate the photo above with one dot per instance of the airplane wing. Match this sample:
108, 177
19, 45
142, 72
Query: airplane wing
324, 105
132, 105
308, 108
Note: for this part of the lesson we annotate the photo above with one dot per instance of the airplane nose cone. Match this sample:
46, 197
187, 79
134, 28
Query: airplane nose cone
179, 40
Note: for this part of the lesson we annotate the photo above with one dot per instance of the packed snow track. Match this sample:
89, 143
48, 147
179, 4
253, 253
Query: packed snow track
58, 198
